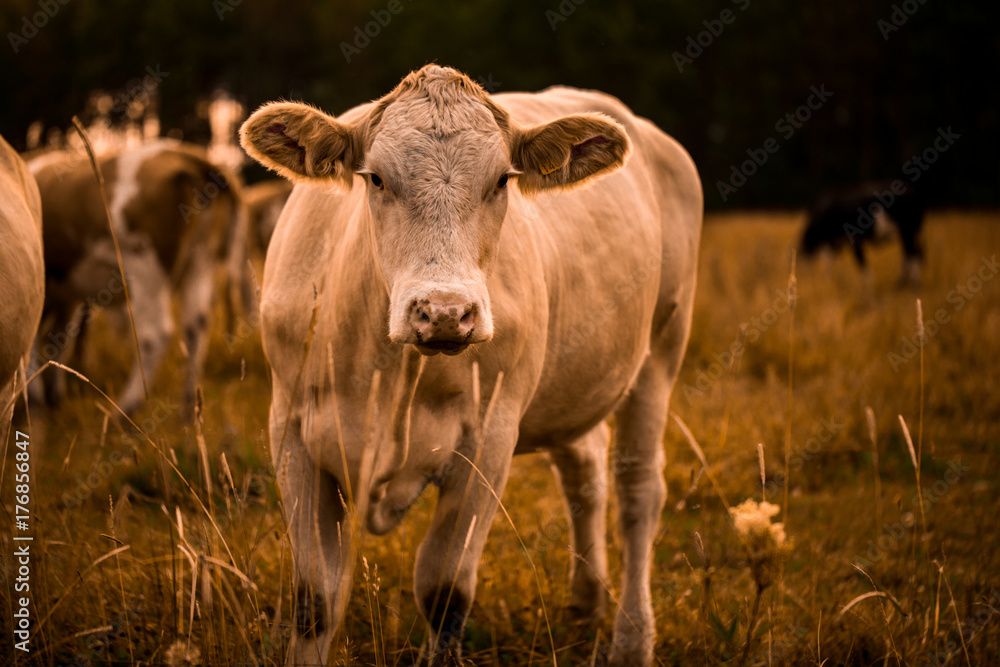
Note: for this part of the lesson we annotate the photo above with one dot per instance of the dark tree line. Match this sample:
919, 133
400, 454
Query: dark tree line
733, 80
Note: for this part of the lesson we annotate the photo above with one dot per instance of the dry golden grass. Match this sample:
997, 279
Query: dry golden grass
128, 569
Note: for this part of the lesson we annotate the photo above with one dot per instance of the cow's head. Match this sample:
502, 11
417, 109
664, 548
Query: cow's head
438, 158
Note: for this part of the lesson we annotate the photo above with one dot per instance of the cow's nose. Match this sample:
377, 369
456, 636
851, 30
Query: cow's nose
443, 319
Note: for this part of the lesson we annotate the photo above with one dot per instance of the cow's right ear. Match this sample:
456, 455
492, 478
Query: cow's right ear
301, 143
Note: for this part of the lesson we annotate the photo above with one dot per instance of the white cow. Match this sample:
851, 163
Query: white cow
22, 273
177, 216
441, 219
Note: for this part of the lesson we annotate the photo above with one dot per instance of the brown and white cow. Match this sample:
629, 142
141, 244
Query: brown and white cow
442, 219
176, 215
22, 274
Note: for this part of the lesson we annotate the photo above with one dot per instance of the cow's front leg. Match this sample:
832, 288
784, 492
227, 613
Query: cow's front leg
445, 579
314, 509
638, 472
583, 472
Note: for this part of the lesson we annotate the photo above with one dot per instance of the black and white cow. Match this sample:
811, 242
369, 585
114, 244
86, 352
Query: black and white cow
868, 212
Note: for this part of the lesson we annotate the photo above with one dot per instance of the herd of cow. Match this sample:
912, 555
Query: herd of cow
456, 278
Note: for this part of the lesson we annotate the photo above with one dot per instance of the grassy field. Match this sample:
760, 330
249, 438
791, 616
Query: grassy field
128, 569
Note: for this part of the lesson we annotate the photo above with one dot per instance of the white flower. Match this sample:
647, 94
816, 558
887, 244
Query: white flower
763, 542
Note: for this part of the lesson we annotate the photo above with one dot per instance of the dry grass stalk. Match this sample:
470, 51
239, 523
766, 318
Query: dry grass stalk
172, 463
69, 452
114, 238
121, 580
937, 605
229, 473
336, 419
872, 436
689, 437
958, 621
819, 643
524, 547
372, 586
734, 364
79, 580
199, 437
357, 513
792, 296
916, 472
922, 338
763, 474
882, 595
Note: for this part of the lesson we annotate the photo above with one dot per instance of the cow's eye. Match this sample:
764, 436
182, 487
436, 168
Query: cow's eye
502, 183
377, 181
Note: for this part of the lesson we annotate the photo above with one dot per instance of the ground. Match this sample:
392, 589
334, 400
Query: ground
121, 521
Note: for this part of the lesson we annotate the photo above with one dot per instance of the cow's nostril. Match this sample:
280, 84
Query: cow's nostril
468, 318
424, 317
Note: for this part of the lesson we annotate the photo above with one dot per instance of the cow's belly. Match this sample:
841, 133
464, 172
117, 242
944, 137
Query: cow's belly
583, 386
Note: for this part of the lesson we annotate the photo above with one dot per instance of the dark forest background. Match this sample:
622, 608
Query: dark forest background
895, 84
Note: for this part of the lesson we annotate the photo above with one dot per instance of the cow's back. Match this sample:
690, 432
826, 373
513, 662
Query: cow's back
22, 275
619, 257
72, 208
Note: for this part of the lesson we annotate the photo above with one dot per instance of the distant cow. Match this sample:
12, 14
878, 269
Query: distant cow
440, 219
176, 215
869, 212
22, 274
264, 201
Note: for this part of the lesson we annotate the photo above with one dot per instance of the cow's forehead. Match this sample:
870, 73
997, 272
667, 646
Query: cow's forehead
420, 137
438, 112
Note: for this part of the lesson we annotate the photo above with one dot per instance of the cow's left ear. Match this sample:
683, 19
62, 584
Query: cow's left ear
569, 151
301, 143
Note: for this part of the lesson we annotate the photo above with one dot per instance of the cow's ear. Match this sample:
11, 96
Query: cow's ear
301, 143
569, 151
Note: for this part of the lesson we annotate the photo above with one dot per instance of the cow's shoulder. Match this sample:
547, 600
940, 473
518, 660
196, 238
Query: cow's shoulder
302, 261
557, 101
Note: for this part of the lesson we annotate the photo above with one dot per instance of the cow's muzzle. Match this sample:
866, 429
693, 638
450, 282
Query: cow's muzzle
444, 323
